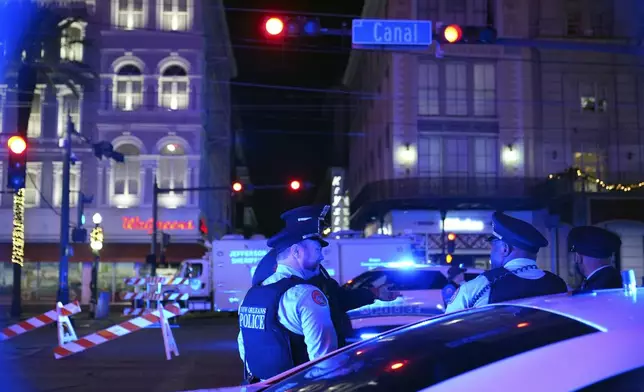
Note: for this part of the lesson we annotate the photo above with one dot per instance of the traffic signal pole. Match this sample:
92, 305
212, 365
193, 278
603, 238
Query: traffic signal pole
63, 267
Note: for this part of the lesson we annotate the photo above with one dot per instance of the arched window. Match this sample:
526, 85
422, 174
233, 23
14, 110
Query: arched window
173, 88
172, 171
128, 88
71, 46
127, 176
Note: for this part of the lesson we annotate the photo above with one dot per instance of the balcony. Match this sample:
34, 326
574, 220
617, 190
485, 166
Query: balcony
448, 193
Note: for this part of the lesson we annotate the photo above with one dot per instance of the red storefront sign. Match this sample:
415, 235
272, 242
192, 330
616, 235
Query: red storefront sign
134, 223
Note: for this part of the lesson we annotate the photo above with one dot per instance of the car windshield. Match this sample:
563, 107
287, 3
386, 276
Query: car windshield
432, 351
402, 279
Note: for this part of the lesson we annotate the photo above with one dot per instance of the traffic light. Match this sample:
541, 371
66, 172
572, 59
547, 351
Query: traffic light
237, 187
291, 26
456, 34
451, 243
449, 258
295, 185
17, 169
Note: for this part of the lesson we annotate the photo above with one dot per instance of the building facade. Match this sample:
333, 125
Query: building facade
159, 99
447, 141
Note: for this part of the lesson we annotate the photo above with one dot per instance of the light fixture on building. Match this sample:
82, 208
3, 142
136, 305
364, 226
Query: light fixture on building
175, 22
407, 156
510, 155
97, 219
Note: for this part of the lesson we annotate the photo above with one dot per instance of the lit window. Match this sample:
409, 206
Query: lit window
174, 88
3, 97
74, 183
34, 128
175, 15
126, 177
484, 90
33, 184
428, 89
592, 98
68, 104
456, 89
71, 45
128, 88
130, 14
172, 173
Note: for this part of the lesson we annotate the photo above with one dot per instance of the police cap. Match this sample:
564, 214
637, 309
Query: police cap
301, 223
593, 242
454, 270
516, 232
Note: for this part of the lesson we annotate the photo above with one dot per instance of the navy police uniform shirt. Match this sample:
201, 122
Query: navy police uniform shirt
481, 291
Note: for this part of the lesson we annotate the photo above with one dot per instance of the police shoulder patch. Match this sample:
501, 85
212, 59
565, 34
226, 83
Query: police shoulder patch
319, 298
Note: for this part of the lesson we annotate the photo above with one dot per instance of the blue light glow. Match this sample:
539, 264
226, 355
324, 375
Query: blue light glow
365, 336
402, 264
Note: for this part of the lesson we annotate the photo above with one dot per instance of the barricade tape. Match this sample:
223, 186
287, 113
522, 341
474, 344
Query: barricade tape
167, 281
38, 321
157, 297
116, 331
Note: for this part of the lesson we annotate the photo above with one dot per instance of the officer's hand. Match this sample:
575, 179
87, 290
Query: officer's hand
384, 292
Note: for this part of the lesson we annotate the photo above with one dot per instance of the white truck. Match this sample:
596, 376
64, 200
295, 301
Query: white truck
220, 279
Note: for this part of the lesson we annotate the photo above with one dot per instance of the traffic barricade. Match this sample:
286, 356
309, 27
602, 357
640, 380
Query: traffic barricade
161, 315
61, 312
153, 294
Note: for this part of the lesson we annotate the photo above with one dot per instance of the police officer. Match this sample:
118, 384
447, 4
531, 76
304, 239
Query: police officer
594, 249
455, 278
285, 322
341, 299
514, 274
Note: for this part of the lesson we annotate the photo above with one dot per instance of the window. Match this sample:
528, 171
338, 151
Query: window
631, 380
175, 15
456, 89
484, 90
591, 163
34, 128
174, 89
429, 156
427, 10
130, 14
592, 98
457, 158
438, 349
485, 157
128, 88
172, 173
428, 89
74, 184
71, 45
33, 184
456, 11
573, 18
126, 177
68, 104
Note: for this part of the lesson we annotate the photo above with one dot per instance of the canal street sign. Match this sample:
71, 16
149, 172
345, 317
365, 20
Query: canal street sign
388, 33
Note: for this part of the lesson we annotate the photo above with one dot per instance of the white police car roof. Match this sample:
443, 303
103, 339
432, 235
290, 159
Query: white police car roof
602, 309
394, 266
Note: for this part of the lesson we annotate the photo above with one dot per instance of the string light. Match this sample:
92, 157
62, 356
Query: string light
18, 233
576, 173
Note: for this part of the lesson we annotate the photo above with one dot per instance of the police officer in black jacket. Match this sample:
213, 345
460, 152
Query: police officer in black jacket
594, 249
341, 299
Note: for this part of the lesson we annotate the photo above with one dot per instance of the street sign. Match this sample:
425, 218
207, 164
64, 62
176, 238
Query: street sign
391, 33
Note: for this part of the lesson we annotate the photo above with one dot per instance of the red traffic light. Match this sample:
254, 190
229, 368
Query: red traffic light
274, 26
237, 187
295, 185
451, 236
17, 144
452, 33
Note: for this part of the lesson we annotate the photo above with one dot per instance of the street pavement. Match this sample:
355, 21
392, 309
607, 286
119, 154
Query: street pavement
136, 362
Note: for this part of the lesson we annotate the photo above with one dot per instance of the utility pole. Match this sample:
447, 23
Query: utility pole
63, 267
155, 219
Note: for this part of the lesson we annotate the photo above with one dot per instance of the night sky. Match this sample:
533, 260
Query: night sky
287, 132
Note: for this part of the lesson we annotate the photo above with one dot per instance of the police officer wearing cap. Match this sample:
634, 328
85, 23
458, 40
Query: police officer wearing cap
455, 278
514, 274
341, 299
285, 322
594, 249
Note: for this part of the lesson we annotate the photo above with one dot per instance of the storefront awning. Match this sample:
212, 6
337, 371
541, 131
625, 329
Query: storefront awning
111, 252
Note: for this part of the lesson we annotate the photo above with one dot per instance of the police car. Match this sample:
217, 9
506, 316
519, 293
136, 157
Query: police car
583, 342
420, 286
